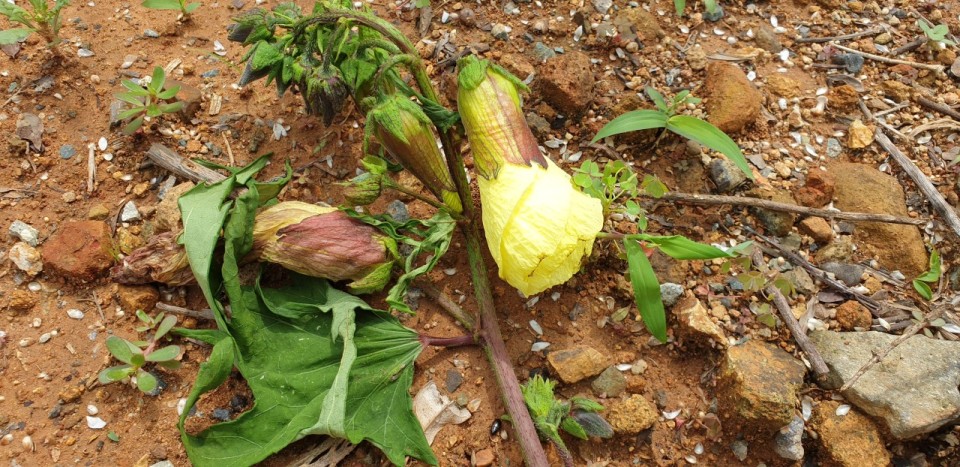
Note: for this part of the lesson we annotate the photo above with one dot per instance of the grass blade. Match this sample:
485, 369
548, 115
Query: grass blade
711, 137
633, 121
646, 289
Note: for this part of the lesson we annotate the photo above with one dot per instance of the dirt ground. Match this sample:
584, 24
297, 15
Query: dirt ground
49, 362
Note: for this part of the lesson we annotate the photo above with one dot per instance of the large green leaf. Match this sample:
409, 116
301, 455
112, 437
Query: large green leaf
292, 365
12, 36
680, 247
632, 121
646, 289
710, 136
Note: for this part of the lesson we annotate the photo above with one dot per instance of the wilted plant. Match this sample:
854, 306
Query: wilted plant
180, 5
135, 355
150, 101
579, 417
665, 117
40, 18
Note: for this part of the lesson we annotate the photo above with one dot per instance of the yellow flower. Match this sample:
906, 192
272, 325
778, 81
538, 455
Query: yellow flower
538, 226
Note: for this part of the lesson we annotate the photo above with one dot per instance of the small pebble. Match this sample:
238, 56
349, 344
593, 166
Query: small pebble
130, 212
75, 313
151, 33
102, 143
67, 151
92, 410
95, 423
45, 337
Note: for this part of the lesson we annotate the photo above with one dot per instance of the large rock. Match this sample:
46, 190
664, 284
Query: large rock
641, 22
851, 440
862, 188
566, 83
757, 387
696, 326
913, 390
732, 101
818, 189
631, 415
572, 365
80, 250
167, 216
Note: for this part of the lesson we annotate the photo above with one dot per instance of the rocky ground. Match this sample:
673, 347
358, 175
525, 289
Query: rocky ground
732, 386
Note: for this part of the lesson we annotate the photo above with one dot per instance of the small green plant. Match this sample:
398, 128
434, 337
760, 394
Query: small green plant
136, 354
180, 5
922, 283
709, 5
665, 117
147, 102
617, 187
578, 417
40, 18
936, 35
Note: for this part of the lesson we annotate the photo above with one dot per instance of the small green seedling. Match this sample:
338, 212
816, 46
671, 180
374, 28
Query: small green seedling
147, 102
665, 116
709, 5
137, 354
922, 283
578, 417
180, 5
936, 35
615, 182
40, 18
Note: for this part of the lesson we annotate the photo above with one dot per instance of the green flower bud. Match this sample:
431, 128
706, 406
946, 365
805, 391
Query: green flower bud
405, 131
363, 189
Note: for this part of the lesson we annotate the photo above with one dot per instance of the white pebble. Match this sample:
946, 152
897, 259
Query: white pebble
538, 346
536, 327
44, 338
75, 313
28, 444
95, 423
843, 410
92, 409
102, 143
34, 286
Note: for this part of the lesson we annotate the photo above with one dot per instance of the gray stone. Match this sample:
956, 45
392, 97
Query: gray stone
715, 15
834, 148
398, 210
767, 39
610, 383
670, 293
128, 61
130, 212
30, 128
602, 6
725, 175
801, 280
150, 33
739, 448
542, 53
500, 31
850, 274
454, 380
913, 390
25, 232
67, 151
787, 443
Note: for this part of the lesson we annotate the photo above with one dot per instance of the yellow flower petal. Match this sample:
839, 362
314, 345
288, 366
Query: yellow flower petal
537, 225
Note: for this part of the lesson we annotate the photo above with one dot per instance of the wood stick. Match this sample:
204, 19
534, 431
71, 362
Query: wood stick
921, 180
170, 160
91, 167
938, 107
229, 149
878, 356
910, 46
714, 200
819, 274
786, 314
202, 314
880, 58
447, 303
845, 37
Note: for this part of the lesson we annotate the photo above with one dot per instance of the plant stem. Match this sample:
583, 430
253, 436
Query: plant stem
458, 341
407, 191
496, 351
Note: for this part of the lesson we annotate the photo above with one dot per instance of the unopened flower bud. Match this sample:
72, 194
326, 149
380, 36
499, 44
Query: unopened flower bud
363, 189
405, 131
538, 226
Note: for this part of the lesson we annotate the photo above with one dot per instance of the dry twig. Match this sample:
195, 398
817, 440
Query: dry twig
202, 314
91, 168
894, 61
786, 314
447, 303
819, 274
921, 180
845, 37
715, 200
938, 107
878, 356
